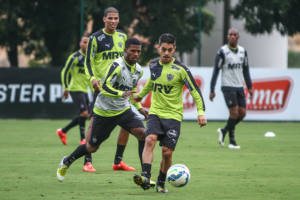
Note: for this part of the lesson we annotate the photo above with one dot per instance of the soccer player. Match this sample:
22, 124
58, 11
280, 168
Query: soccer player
75, 83
112, 106
103, 48
233, 61
168, 76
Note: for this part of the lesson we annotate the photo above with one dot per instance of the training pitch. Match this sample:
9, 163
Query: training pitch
264, 168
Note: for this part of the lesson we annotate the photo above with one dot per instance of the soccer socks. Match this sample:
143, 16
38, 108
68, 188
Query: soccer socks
81, 122
119, 154
79, 152
73, 123
146, 170
87, 158
161, 178
141, 148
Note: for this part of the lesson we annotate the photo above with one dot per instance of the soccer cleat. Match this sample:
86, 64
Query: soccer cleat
233, 146
143, 181
221, 137
88, 167
83, 141
62, 136
161, 189
61, 170
122, 166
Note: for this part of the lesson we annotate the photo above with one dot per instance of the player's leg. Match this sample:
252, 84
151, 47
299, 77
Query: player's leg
168, 143
87, 165
242, 105
62, 132
84, 115
121, 144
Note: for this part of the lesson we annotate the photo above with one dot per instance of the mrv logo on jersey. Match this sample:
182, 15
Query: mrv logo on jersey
269, 94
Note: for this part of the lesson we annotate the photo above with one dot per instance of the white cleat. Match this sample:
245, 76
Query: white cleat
61, 170
233, 146
221, 137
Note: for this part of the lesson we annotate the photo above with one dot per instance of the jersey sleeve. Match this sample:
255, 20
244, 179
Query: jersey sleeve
111, 77
89, 63
219, 61
146, 89
65, 72
190, 83
246, 72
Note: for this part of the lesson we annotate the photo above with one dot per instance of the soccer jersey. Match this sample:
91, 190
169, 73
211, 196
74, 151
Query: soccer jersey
166, 83
234, 66
73, 77
103, 48
120, 77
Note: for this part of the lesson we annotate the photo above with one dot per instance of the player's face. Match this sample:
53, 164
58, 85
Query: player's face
166, 52
233, 37
132, 53
111, 22
83, 43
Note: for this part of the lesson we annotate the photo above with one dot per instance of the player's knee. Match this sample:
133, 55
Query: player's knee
167, 153
234, 113
91, 149
85, 113
150, 140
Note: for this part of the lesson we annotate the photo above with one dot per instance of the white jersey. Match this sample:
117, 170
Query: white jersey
119, 78
234, 66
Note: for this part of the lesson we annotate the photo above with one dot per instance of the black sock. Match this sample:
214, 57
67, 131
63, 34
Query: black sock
141, 148
161, 178
79, 152
88, 158
119, 153
146, 168
232, 138
81, 123
230, 124
238, 120
73, 123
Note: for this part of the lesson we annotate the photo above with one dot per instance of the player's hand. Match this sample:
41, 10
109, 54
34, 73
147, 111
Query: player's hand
250, 93
144, 112
202, 120
96, 85
212, 96
136, 98
65, 94
127, 94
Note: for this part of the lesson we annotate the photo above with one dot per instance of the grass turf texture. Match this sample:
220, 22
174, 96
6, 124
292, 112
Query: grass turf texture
264, 168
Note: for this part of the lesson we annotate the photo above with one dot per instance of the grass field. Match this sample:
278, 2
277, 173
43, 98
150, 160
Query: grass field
264, 168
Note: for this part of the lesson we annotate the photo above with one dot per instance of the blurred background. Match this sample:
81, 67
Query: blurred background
39, 35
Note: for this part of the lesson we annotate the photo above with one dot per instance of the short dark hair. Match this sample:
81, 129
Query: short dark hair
110, 10
167, 38
132, 40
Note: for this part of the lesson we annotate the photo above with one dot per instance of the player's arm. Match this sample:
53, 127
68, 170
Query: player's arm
89, 62
110, 78
246, 74
219, 61
65, 74
146, 89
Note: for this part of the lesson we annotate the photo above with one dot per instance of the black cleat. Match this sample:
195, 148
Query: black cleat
161, 189
142, 181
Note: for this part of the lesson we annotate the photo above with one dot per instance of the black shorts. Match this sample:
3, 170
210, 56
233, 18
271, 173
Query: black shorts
81, 100
103, 126
234, 97
168, 130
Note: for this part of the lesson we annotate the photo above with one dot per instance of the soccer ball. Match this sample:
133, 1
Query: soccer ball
178, 175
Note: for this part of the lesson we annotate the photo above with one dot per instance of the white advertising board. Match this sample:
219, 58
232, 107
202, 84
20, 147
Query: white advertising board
275, 95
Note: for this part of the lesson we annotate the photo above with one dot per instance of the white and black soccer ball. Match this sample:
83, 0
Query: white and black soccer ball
178, 175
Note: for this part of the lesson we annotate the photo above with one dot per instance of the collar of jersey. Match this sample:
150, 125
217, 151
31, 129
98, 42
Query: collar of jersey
233, 49
107, 32
80, 51
170, 63
130, 67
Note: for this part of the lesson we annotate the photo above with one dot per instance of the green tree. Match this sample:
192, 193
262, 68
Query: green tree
264, 15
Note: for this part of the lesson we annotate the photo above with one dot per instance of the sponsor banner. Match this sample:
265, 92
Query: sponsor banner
33, 93
275, 94
36, 93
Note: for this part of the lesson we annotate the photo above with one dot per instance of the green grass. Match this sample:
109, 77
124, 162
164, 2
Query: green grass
264, 168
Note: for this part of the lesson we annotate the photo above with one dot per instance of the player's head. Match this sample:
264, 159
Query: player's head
83, 43
167, 47
111, 19
233, 37
132, 50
